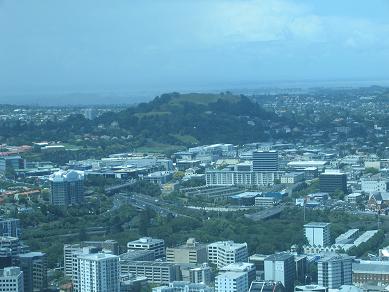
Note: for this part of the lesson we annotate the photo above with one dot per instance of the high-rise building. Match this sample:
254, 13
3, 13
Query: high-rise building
10, 227
249, 268
318, 234
232, 282
34, 267
331, 181
90, 113
190, 253
259, 261
73, 259
10, 246
70, 254
67, 188
281, 268
11, 280
201, 274
223, 253
265, 161
6, 259
11, 163
148, 243
334, 270
183, 286
301, 267
98, 272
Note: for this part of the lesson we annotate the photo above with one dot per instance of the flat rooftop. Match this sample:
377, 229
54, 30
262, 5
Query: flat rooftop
317, 224
97, 256
150, 264
307, 163
144, 240
279, 257
371, 267
246, 195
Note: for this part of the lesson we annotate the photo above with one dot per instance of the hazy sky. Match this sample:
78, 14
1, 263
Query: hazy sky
93, 45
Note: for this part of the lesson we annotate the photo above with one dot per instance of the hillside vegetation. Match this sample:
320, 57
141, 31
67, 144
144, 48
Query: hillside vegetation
169, 121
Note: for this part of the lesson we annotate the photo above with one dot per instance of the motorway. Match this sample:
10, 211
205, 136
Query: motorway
143, 202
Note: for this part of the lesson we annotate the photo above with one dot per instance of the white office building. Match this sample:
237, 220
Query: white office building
374, 185
318, 234
183, 286
281, 268
223, 253
334, 270
232, 282
241, 178
249, 268
148, 243
11, 280
98, 273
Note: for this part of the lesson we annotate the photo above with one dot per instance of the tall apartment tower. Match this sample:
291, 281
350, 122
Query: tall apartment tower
98, 272
10, 227
223, 253
318, 233
71, 251
67, 187
334, 271
265, 161
10, 247
11, 280
232, 282
281, 268
34, 267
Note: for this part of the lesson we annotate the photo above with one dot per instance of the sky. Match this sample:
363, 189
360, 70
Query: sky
121, 46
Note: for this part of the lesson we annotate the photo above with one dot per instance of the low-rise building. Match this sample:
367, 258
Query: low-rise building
159, 177
292, 177
137, 255
355, 198
266, 202
364, 272
155, 272
147, 243
202, 274
192, 253
223, 253
374, 185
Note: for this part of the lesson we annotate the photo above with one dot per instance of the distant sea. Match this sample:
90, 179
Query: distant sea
129, 96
